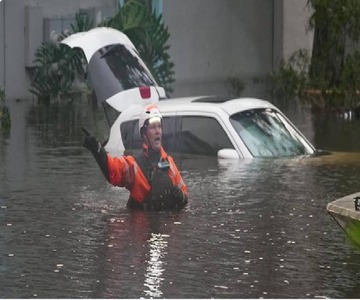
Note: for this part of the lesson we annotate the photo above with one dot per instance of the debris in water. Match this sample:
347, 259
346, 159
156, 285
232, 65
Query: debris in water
221, 287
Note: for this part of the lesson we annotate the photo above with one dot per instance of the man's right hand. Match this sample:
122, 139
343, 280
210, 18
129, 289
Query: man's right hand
90, 142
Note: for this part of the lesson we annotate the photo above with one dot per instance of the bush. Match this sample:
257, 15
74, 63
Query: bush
291, 78
5, 120
56, 66
235, 85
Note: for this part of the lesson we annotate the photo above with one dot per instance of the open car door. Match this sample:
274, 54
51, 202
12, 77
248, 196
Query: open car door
119, 77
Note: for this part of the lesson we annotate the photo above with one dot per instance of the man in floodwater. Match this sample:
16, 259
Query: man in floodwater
151, 176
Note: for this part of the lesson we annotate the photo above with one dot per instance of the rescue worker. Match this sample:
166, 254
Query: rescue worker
151, 176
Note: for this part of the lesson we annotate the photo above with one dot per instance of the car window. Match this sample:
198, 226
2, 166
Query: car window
267, 134
111, 113
203, 135
130, 135
132, 140
192, 135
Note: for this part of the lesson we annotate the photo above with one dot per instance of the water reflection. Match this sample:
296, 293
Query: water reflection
65, 233
156, 265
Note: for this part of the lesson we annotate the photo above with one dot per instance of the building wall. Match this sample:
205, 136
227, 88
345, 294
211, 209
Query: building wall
212, 40
278, 32
2, 45
296, 32
22, 29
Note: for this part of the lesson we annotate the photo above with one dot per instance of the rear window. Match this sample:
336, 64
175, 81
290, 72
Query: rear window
116, 68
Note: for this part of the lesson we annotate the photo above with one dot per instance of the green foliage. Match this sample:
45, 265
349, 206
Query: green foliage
350, 77
350, 82
56, 66
2, 96
334, 22
291, 78
82, 23
150, 37
5, 120
334, 72
337, 16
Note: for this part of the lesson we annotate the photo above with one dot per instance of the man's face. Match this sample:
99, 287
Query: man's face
154, 134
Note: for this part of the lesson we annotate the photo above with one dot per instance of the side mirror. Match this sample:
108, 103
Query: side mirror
228, 154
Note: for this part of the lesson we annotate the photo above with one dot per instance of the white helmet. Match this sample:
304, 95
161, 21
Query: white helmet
150, 113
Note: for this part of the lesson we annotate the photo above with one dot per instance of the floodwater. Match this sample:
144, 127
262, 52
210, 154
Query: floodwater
253, 228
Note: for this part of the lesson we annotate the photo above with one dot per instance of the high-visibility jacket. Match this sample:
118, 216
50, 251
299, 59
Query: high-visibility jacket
125, 172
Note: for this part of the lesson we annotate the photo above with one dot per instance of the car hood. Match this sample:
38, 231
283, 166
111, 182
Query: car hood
117, 73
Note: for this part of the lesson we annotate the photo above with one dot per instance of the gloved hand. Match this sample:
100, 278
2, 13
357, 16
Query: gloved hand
90, 142
178, 195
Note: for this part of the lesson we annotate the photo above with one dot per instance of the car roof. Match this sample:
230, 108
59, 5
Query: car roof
212, 103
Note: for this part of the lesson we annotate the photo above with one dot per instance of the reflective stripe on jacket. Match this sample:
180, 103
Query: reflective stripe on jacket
125, 172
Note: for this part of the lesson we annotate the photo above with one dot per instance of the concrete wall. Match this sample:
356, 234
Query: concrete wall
296, 33
2, 45
212, 40
278, 32
22, 31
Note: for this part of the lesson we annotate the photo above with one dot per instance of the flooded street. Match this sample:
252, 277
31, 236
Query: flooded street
253, 228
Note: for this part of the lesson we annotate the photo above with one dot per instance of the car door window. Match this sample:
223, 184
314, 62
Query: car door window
203, 136
130, 135
191, 135
132, 140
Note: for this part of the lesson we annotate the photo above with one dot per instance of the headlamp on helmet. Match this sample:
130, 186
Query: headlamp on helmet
150, 115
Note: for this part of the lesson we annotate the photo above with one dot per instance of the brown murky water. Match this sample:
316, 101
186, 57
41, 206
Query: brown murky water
253, 228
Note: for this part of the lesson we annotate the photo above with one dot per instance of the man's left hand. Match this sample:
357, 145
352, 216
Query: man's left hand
178, 195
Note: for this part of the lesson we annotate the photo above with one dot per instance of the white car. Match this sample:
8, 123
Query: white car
208, 125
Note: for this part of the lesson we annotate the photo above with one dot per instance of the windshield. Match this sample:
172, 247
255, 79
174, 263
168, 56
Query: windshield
116, 68
266, 133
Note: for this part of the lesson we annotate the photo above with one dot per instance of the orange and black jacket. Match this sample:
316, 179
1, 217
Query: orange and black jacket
125, 171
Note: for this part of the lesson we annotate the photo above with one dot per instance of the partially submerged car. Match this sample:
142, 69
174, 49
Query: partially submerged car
207, 125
